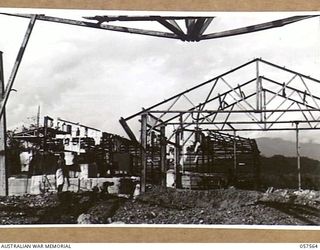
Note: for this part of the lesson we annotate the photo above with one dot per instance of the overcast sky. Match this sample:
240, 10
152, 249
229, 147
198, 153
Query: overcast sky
95, 77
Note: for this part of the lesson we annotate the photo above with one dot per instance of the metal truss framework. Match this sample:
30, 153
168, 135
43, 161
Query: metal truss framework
260, 103
194, 30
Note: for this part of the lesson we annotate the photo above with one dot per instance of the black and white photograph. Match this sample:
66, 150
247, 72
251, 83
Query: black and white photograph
159, 117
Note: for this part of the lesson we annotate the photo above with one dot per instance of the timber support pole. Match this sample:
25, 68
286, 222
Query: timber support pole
143, 178
298, 155
3, 139
235, 157
163, 154
177, 180
17, 64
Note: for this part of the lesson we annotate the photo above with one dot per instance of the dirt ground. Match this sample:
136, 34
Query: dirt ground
166, 206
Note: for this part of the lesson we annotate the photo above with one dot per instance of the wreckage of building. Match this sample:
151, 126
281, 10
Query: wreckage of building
184, 142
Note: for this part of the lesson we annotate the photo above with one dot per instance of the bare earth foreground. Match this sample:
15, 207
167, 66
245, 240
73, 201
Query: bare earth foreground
166, 206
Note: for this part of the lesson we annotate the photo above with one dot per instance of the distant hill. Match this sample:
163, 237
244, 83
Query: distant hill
277, 146
281, 172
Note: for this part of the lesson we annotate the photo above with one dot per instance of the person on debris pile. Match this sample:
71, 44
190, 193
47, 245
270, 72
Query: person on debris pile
61, 173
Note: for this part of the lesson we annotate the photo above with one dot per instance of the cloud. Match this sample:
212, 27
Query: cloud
95, 77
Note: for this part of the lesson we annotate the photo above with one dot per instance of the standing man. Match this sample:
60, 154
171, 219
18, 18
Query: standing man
61, 173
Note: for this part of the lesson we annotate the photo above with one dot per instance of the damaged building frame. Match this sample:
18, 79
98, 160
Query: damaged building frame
241, 100
192, 122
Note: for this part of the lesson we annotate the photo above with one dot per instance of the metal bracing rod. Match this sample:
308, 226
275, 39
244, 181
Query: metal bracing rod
17, 64
280, 116
288, 70
304, 115
248, 122
154, 117
312, 108
184, 120
184, 125
188, 99
291, 88
205, 25
242, 107
100, 26
257, 27
109, 18
173, 27
228, 106
188, 138
231, 126
312, 97
259, 129
193, 88
233, 90
283, 86
308, 111
286, 99
210, 92
174, 102
210, 100
227, 118
310, 94
219, 108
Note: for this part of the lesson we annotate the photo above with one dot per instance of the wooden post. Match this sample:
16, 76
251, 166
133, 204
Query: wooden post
6, 92
181, 139
257, 86
235, 156
3, 139
144, 118
177, 175
298, 155
163, 158
152, 172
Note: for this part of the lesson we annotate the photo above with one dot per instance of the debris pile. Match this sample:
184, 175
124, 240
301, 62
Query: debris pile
50, 208
166, 206
220, 206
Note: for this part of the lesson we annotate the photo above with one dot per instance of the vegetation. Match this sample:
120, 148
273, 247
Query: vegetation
281, 172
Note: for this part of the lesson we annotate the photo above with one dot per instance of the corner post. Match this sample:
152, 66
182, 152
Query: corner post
3, 139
